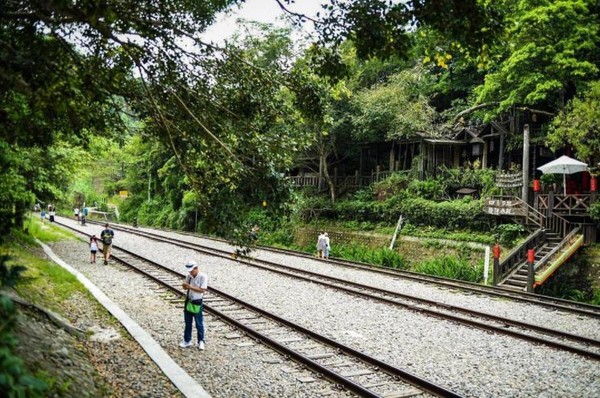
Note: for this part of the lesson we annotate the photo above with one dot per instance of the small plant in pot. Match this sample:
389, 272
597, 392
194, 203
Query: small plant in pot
549, 181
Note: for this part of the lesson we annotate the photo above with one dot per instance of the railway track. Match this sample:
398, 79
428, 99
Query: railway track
550, 302
537, 334
353, 370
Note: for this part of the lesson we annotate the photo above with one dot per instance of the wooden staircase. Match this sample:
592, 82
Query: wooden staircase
554, 240
517, 280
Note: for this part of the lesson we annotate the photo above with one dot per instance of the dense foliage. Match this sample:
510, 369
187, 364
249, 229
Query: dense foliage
101, 97
577, 126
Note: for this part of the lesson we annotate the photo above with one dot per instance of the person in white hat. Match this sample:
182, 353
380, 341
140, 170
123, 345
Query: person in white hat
196, 283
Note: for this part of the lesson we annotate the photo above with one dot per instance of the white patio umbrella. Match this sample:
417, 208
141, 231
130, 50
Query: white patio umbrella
564, 165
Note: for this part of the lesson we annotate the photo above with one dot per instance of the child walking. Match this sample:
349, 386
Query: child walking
93, 249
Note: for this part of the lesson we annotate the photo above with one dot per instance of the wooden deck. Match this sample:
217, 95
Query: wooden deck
577, 204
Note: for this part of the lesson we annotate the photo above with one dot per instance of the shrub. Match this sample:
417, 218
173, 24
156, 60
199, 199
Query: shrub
428, 189
509, 234
481, 179
392, 185
381, 256
451, 267
595, 212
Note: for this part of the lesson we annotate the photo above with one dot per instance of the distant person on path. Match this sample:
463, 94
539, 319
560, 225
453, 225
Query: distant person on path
321, 245
52, 213
106, 236
84, 214
327, 245
93, 249
43, 215
196, 283
76, 212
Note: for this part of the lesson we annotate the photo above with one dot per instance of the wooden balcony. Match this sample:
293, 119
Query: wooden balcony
570, 204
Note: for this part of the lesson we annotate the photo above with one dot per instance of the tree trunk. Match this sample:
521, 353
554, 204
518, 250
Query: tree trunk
325, 177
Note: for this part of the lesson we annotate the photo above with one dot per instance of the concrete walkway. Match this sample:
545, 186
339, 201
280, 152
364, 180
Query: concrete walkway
183, 381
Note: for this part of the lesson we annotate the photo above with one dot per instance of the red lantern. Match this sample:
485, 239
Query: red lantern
593, 184
530, 256
536, 185
496, 250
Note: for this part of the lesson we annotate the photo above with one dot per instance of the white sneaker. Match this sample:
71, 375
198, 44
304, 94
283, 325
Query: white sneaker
185, 344
201, 345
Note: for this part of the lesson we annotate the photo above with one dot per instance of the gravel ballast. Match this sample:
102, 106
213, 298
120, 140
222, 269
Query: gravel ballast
468, 361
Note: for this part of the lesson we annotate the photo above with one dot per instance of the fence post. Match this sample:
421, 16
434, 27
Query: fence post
530, 270
496, 250
486, 265
398, 226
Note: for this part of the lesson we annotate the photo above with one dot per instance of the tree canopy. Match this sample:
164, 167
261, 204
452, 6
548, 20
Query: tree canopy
203, 129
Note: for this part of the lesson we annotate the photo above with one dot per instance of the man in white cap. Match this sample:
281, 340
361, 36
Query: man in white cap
196, 283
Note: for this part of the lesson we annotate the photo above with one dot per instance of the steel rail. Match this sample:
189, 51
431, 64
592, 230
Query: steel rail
437, 314
553, 302
392, 370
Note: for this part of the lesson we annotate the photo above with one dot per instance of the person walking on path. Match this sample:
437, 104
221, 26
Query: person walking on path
327, 245
93, 249
196, 283
76, 212
83, 215
106, 237
52, 213
43, 215
321, 245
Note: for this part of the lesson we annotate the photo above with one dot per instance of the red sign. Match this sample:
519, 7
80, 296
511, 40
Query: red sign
536, 185
593, 184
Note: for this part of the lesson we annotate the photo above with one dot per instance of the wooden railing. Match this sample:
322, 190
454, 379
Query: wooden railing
512, 206
305, 181
564, 243
554, 223
517, 256
343, 182
559, 225
565, 204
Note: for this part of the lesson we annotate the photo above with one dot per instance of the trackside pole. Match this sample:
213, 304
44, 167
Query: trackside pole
486, 265
398, 226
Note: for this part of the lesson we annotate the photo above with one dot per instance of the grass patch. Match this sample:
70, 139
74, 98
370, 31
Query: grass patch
46, 232
44, 282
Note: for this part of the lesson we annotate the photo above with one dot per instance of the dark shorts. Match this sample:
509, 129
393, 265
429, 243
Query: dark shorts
93, 251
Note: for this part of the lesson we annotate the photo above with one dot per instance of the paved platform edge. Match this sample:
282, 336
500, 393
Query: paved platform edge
188, 386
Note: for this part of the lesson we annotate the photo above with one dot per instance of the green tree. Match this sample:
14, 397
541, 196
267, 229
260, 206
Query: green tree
547, 53
398, 108
577, 126
383, 28
320, 100
68, 75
